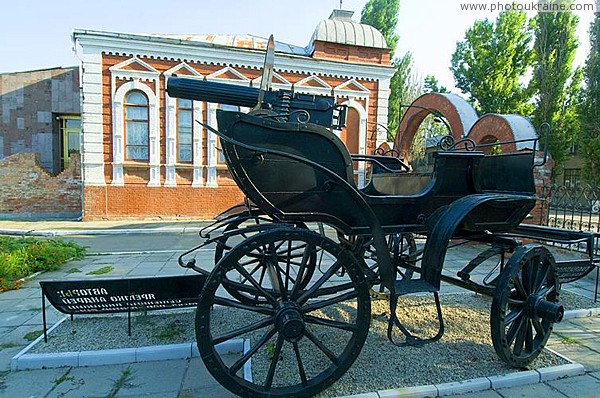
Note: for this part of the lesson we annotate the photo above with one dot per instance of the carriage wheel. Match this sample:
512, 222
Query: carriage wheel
403, 251
299, 340
525, 305
254, 267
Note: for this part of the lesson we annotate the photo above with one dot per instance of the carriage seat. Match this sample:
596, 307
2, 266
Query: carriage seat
398, 184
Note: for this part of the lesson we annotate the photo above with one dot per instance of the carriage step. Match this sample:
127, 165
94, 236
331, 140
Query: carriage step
408, 286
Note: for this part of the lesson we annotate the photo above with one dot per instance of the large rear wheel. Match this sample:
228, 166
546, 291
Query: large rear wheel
299, 338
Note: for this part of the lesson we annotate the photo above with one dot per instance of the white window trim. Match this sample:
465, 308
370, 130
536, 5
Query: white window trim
118, 102
301, 87
212, 156
171, 132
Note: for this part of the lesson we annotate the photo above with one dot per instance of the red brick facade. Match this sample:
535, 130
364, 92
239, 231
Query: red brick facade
27, 190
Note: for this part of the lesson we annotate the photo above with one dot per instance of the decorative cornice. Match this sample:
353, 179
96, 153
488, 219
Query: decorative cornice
93, 42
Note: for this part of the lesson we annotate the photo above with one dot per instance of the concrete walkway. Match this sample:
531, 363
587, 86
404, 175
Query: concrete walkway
20, 313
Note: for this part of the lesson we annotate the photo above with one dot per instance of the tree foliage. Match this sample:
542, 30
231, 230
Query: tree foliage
404, 86
554, 96
589, 142
431, 85
489, 63
383, 16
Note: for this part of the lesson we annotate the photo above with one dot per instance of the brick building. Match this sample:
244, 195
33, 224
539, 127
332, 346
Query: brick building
142, 154
40, 114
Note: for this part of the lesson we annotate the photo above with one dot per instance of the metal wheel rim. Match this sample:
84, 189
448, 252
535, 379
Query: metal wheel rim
517, 335
222, 249
313, 383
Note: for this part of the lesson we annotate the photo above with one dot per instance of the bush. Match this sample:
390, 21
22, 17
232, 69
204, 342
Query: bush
20, 257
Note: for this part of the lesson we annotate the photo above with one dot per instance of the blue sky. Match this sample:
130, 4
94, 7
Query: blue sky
36, 34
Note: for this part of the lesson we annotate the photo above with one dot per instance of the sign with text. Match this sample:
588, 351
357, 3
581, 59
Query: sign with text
102, 296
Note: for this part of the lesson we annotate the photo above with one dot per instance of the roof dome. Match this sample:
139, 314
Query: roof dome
340, 28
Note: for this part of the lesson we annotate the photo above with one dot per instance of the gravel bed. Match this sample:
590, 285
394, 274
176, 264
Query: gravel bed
464, 352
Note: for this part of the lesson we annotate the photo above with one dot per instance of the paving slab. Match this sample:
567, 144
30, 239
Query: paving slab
580, 386
163, 377
30, 383
94, 381
530, 391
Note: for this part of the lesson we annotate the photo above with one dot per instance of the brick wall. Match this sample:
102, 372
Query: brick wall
29, 104
28, 191
110, 202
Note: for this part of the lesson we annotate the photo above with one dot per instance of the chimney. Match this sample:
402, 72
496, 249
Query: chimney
341, 15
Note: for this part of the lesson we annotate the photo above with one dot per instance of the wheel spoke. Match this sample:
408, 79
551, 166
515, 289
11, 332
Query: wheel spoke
539, 329
246, 329
257, 285
325, 303
274, 360
305, 257
330, 323
541, 276
300, 365
546, 290
330, 272
235, 304
529, 337
512, 331
510, 318
275, 275
519, 287
322, 347
240, 362
520, 340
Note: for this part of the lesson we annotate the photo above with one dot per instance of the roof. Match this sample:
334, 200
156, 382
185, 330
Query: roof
236, 40
340, 28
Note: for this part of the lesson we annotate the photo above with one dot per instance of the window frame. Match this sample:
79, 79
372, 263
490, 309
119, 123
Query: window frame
126, 106
189, 109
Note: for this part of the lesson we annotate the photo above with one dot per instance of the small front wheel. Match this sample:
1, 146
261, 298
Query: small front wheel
300, 336
525, 305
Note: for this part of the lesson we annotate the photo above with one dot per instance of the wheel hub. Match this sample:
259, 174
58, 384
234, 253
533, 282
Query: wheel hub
538, 307
290, 323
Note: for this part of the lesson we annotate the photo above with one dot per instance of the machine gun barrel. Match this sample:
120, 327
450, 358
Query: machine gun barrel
222, 93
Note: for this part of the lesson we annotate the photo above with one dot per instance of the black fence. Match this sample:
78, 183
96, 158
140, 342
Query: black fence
575, 208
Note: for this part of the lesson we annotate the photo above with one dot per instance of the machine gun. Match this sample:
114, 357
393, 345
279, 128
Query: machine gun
283, 104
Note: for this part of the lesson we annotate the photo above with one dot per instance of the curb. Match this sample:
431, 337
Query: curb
129, 231
25, 361
479, 384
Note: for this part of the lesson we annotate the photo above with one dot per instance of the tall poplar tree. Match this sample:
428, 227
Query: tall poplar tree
589, 143
554, 84
489, 63
404, 87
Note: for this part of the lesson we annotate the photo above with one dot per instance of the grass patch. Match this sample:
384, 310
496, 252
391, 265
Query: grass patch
566, 339
173, 331
120, 383
4, 346
63, 378
33, 335
21, 257
101, 271
72, 270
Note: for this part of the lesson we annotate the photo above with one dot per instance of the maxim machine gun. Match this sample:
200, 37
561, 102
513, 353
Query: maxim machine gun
297, 303
282, 104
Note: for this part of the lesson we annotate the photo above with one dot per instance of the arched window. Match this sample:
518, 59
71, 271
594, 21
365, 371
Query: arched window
184, 130
136, 126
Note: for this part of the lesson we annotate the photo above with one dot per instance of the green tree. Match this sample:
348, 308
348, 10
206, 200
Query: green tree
431, 85
488, 64
404, 86
589, 142
383, 15
555, 98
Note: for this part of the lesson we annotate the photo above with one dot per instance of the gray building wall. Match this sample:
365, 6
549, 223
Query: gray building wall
30, 103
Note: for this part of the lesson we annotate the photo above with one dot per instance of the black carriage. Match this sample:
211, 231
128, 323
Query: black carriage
298, 301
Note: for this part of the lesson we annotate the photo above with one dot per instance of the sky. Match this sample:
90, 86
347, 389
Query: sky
36, 34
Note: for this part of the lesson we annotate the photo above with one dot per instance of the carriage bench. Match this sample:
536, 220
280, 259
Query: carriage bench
106, 296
